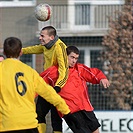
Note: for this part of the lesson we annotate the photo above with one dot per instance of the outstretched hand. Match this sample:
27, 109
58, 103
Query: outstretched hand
105, 83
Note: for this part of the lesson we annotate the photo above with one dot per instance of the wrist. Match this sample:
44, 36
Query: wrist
57, 89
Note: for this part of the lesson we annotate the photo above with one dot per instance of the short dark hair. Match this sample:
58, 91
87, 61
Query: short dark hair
1, 55
73, 49
12, 47
51, 30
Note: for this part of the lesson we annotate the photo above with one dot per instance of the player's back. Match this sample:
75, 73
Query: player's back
17, 90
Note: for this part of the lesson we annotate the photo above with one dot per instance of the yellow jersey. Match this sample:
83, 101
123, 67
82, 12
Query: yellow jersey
18, 85
56, 55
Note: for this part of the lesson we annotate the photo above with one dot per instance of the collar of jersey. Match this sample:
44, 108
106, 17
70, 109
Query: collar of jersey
52, 42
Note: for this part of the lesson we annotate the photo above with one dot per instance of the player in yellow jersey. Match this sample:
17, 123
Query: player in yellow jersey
54, 51
18, 85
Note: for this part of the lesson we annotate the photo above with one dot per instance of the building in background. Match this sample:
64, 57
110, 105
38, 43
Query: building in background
79, 22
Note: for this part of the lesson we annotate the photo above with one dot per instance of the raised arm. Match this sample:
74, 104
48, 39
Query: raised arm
94, 75
37, 49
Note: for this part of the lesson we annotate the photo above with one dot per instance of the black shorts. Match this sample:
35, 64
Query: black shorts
42, 109
87, 120
33, 130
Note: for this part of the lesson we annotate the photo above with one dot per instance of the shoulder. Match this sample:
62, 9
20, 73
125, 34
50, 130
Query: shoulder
29, 68
79, 65
82, 67
49, 70
52, 68
61, 44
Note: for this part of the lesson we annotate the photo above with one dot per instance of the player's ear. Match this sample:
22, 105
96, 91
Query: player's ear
20, 54
52, 37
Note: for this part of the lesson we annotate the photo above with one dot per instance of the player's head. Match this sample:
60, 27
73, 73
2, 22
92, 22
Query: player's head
12, 47
51, 31
47, 34
73, 55
2, 57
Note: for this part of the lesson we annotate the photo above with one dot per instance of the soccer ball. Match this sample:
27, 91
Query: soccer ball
43, 12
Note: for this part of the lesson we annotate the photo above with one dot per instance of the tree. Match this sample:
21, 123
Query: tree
118, 58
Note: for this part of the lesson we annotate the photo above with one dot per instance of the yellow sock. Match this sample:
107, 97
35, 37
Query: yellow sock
41, 128
57, 132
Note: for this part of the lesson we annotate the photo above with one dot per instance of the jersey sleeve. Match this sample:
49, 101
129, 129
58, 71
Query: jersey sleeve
50, 95
37, 49
92, 75
62, 65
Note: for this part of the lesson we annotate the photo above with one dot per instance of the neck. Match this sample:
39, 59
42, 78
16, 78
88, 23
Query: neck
52, 42
14, 58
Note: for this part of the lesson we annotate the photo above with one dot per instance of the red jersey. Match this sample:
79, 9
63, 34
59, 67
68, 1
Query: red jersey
75, 91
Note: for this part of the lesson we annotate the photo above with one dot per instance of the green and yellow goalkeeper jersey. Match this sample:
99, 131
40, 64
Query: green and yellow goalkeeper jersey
18, 85
56, 55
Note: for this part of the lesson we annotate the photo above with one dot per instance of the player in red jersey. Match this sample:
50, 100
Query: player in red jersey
75, 91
